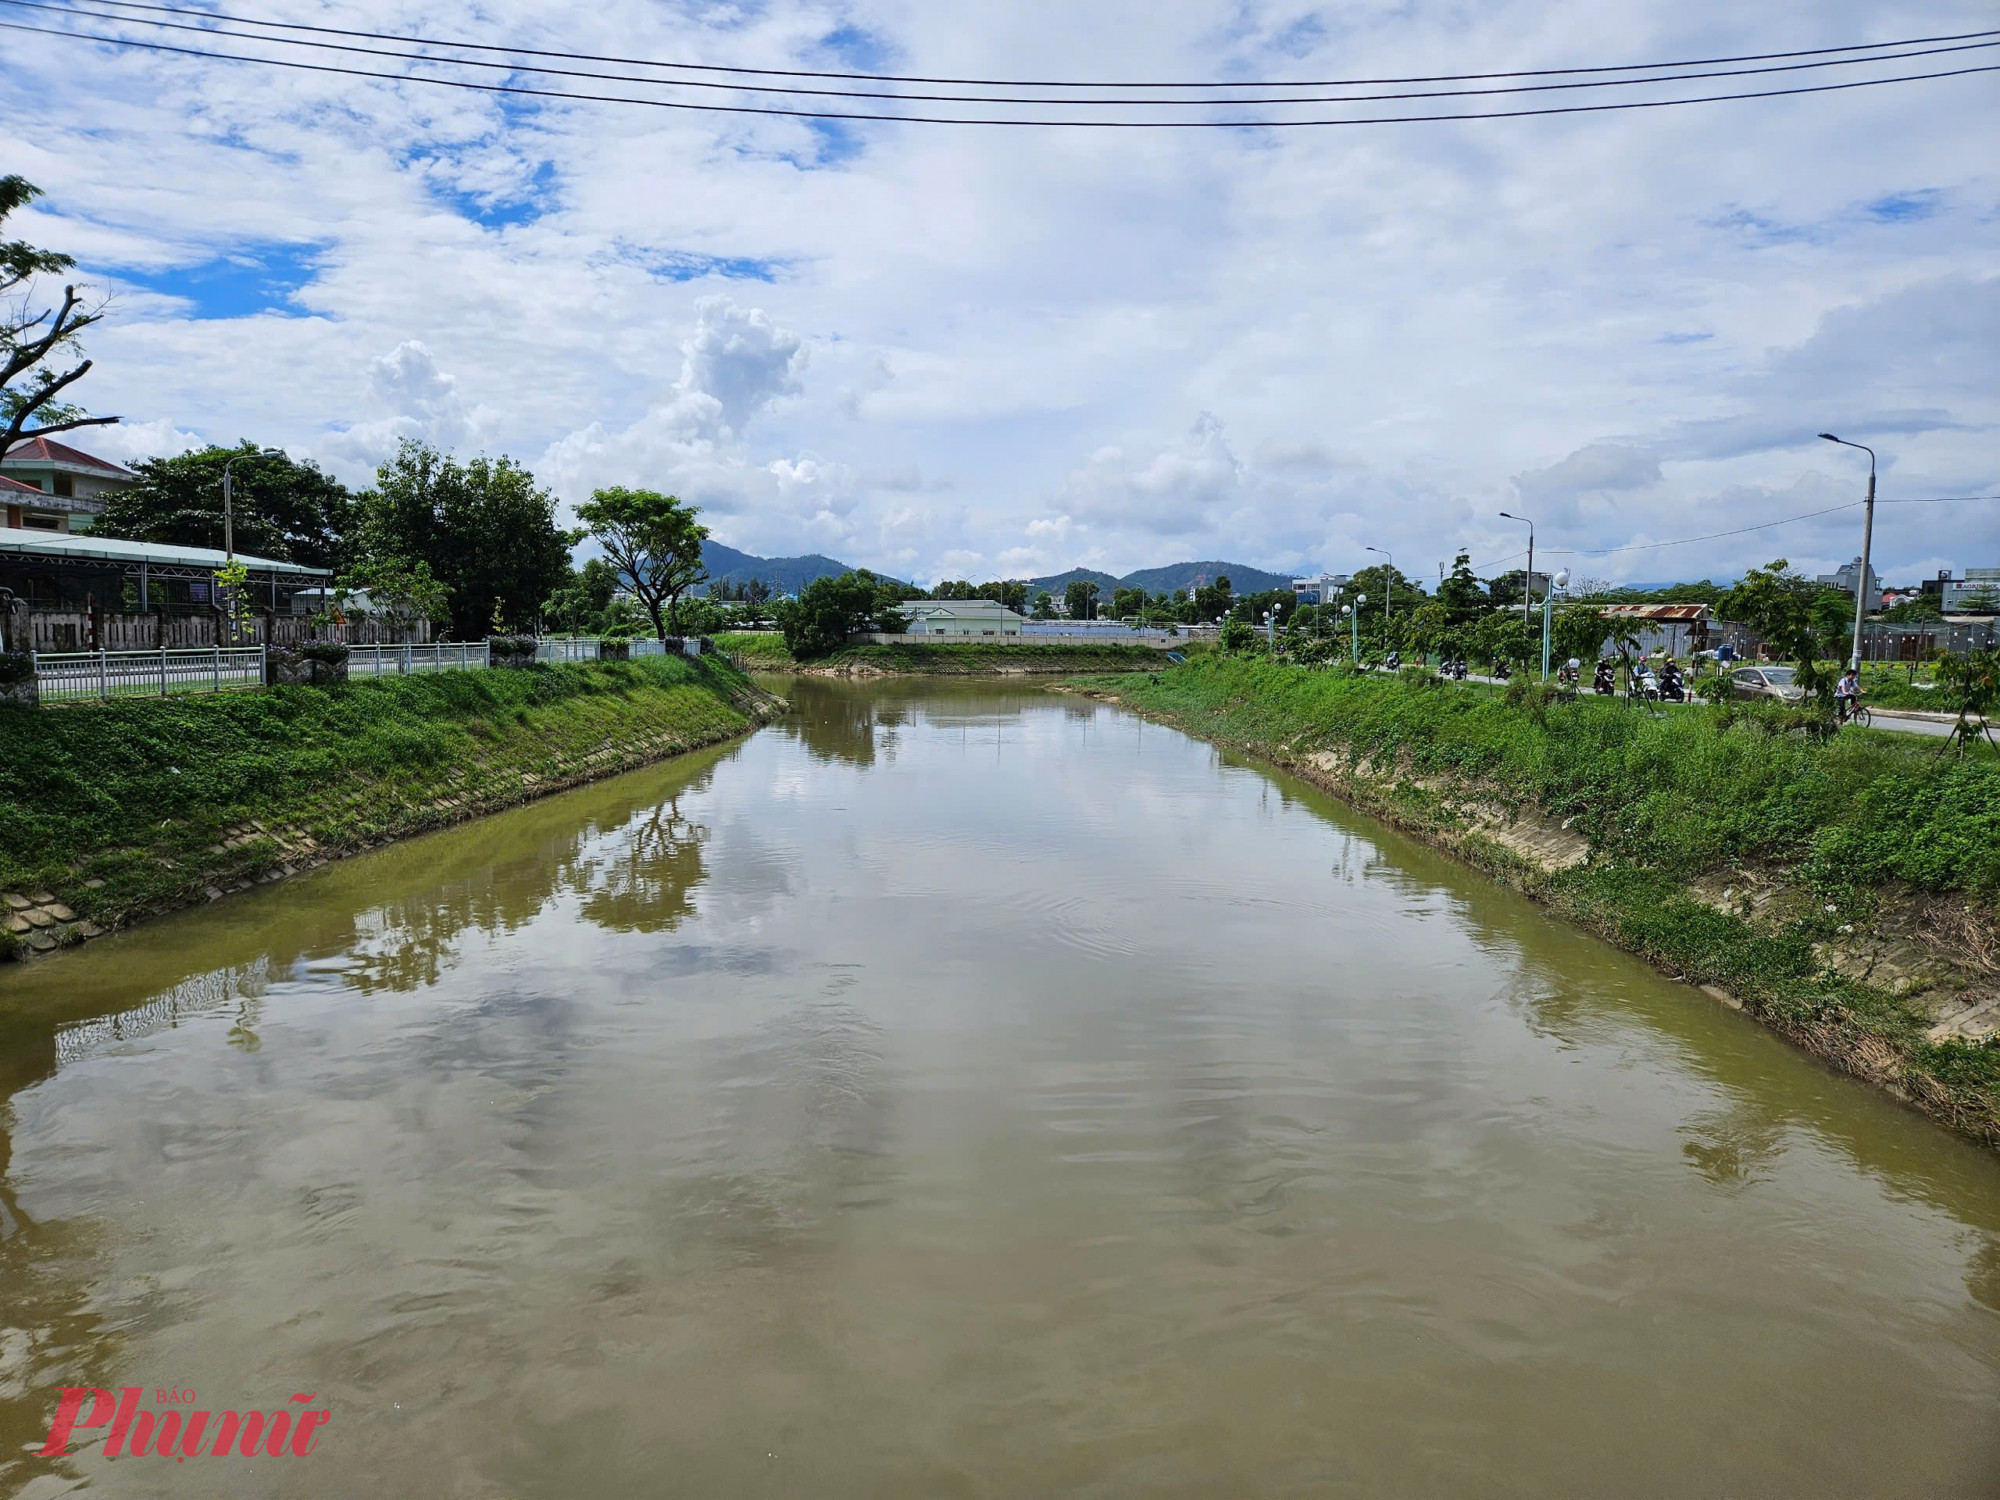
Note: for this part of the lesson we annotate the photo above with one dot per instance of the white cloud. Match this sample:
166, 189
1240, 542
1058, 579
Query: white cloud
1635, 322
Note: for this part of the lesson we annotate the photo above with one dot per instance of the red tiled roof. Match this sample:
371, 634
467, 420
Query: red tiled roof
14, 486
41, 450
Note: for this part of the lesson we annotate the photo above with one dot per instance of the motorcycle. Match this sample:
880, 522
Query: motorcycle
1672, 688
1605, 681
1393, 662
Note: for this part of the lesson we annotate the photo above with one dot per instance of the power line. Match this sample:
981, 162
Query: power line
101, 11
520, 91
1702, 62
682, 83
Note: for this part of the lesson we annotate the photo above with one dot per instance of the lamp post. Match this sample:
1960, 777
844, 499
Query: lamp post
228, 499
1560, 581
1388, 591
1867, 539
1528, 578
1353, 612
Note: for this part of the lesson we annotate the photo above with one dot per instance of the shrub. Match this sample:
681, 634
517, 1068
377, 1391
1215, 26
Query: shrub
15, 666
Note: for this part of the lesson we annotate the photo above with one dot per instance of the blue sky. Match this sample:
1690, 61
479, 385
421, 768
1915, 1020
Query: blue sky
951, 352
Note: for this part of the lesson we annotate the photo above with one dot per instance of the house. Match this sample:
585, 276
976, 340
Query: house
960, 617
50, 486
1318, 589
1847, 576
1674, 628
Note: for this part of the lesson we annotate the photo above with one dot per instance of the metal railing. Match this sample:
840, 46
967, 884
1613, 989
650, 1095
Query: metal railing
68, 676
401, 661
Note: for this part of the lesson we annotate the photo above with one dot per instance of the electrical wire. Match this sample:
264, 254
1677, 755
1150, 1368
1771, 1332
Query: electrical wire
1878, 55
519, 91
1703, 62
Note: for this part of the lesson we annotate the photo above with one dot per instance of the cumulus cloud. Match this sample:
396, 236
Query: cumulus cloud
1391, 333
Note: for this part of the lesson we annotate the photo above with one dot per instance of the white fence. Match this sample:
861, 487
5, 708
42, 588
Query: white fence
73, 676
69, 675
401, 661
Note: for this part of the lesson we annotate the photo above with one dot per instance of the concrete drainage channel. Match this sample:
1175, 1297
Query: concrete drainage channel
40, 923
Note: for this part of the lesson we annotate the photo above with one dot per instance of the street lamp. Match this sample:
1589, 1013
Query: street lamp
1528, 578
1388, 590
1867, 539
1560, 581
228, 504
1353, 612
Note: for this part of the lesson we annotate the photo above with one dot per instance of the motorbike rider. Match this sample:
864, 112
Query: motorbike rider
1604, 681
1671, 686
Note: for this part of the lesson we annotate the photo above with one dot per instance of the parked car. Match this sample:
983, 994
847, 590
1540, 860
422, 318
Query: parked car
1768, 682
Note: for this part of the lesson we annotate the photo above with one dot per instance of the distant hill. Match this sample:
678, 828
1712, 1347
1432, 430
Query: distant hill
1193, 575
1055, 583
1188, 575
784, 575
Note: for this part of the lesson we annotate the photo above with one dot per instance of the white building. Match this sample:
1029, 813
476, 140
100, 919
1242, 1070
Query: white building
960, 618
1978, 583
1318, 589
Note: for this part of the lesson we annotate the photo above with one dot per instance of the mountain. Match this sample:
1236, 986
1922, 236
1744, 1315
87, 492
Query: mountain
1242, 579
1188, 575
785, 575
1055, 583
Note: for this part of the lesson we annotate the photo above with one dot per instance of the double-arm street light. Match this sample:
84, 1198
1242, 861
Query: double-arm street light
1528, 578
1867, 540
1560, 581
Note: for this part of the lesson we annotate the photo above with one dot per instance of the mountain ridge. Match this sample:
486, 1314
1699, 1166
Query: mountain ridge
787, 575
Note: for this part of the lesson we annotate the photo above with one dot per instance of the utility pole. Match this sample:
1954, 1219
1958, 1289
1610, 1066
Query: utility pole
1528, 578
1867, 541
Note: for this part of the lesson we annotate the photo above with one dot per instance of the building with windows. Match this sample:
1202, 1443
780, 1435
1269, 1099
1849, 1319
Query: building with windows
1847, 576
49, 486
1319, 588
960, 618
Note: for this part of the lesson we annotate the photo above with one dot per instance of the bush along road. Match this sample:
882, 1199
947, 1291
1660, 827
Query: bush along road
116, 811
1846, 893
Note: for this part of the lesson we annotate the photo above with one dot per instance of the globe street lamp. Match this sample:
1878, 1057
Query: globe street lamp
1867, 538
1560, 581
1528, 578
1353, 611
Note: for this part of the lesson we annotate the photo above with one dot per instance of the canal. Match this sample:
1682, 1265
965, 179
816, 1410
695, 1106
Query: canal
960, 1089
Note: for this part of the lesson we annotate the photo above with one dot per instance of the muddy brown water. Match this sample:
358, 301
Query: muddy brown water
957, 1089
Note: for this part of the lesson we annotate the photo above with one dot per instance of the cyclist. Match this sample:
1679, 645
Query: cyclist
1847, 694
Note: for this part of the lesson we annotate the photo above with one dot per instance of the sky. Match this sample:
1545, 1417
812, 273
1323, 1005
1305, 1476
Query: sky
956, 351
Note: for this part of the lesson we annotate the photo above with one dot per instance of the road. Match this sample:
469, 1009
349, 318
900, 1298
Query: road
1884, 718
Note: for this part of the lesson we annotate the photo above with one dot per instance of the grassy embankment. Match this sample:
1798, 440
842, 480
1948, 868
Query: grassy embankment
766, 652
1844, 893
132, 807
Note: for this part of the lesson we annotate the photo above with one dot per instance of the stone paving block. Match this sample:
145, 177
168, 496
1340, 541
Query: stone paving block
39, 917
16, 923
18, 903
41, 942
60, 912
41, 898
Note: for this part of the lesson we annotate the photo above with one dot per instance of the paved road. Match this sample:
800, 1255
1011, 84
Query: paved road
1884, 718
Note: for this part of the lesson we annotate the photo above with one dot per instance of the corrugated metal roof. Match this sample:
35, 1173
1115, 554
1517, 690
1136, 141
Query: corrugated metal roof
81, 546
1684, 614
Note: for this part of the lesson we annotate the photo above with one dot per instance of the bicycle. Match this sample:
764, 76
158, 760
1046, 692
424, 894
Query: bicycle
1859, 717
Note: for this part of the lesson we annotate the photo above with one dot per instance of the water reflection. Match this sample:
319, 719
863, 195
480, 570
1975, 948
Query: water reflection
952, 1089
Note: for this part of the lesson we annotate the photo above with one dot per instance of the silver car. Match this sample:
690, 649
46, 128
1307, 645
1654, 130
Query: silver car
1768, 682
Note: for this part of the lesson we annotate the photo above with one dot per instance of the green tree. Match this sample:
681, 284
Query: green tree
1580, 630
829, 610
1213, 601
580, 605
1918, 609
401, 586
1777, 603
1013, 594
1080, 599
954, 588
1463, 599
1833, 615
34, 344
1430, 629
1045, 605
1127, 602
482, 528
654, 543
283, 508
1502, 636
